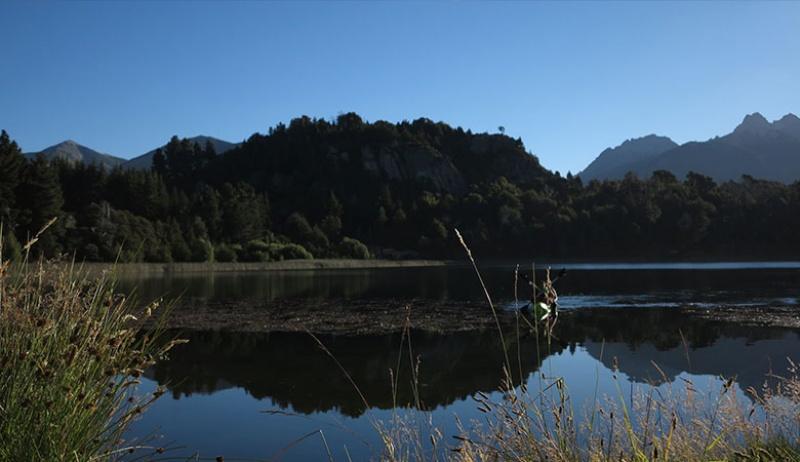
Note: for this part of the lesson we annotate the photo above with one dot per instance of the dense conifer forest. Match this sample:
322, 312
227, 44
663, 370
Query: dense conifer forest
351, 189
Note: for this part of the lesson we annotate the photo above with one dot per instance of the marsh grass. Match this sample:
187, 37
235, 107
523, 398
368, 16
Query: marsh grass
677, 422
674, 421
71, 355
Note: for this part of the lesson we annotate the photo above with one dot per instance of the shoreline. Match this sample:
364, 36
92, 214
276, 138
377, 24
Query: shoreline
285, 265
350, 264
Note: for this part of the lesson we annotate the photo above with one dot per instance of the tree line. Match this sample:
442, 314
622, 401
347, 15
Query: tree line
312, 190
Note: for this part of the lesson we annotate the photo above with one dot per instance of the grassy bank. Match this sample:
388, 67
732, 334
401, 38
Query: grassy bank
285, 265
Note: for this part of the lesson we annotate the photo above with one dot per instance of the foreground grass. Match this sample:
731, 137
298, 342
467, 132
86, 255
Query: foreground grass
70, 358
680, 423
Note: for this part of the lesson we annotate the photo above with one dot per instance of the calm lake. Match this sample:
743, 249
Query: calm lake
278, 396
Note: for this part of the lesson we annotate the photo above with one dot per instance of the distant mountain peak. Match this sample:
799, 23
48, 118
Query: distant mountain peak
753, 123
73, 152
788, 124
615, 162
66, 144
648, 140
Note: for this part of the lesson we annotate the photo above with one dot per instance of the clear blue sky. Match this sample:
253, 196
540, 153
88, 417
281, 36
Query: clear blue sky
570, 79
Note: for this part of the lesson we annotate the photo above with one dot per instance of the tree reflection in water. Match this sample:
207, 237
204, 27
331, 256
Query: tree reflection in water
291, 370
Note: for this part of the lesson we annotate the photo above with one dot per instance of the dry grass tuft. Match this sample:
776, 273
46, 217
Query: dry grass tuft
70, 357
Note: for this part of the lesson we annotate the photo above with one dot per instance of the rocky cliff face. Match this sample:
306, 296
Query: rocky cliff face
483, 158
414, 163
445, 167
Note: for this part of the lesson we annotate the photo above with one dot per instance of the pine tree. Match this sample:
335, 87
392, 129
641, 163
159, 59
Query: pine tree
41, 201
11, 164
179, 249
206, 205
332, 206
160, 162
210, 152
242, 213
11, 248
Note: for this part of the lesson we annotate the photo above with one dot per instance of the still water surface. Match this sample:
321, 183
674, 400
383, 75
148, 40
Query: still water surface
251, 395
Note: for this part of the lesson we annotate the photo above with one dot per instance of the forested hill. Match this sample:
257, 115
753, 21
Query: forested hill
316, 156
348, 188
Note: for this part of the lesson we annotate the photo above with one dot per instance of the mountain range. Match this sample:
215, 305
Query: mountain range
756, 147
72, 152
